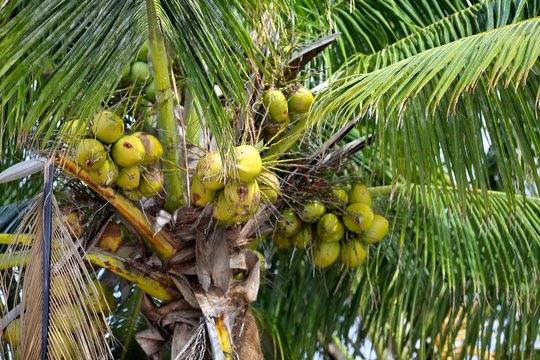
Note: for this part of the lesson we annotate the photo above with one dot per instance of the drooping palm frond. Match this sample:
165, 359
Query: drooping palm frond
76, 325
438, 266
415, 104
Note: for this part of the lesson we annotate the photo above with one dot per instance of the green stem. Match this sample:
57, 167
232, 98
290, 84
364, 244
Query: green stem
167, 131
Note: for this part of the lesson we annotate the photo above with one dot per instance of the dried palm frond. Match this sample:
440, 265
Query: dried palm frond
76, 327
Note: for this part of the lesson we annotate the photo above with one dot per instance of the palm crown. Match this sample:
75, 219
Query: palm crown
433, 105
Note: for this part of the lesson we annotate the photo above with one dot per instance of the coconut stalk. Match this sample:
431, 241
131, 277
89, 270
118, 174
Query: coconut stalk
167, 131
159, 242
292, 136
151, 283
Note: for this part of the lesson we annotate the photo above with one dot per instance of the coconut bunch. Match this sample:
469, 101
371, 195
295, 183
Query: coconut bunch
129, 162
235, 193
343, 233
281, 110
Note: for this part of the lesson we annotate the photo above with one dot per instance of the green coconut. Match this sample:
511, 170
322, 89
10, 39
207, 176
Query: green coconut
152, 146
358, 218
377, 230
142, 55
150, 91
330, 228
12, 333
91, 154
325, 253
289, 223
281, 241
105, 175
301, 100
222, 210
107, 127
132, 195
352, 253
151, 182
275, 104
269, 186
128, 151
139, 73
210, 171
341, 197
200, 195
243, 197
359, 193
247, 165
303, 238
312, 211
128, 178
73, 130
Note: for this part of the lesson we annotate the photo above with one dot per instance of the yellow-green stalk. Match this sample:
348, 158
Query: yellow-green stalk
149, 283
167, 131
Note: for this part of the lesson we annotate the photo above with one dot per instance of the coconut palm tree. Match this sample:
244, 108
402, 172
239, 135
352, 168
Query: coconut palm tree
432, 104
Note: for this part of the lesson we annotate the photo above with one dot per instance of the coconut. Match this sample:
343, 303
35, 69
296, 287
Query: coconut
132, 195
359, 217
222, 210
106, 175
73, 130
152, 146
312, 211
341, 197
377, 231
301, 100
12, 333
107, 127
210, 171
243, 197
151, 182
303, 238
61, 346
128, 151
330, 228
126, 70
150, 91
275, 104
128, 178
248, 164
91, 154
325, 253
139, 72
281, 241
289, 223
359, 193
142, 55
200, 196
269, 186
352, 253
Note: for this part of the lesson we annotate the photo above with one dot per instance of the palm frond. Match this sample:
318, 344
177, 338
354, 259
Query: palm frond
76, 326
413, 105
48, 58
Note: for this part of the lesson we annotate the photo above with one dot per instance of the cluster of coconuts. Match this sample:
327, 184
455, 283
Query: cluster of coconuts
342, 234
62, 343
138, 72
281, 111
236, 192
129, 162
